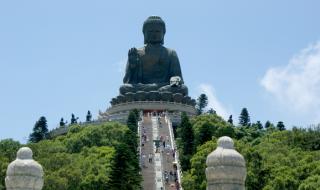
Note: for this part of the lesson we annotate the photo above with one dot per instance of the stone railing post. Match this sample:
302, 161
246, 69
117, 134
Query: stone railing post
226, 169
24, 173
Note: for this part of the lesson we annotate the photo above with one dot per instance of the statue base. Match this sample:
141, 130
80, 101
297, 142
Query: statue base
120, 112
153, 96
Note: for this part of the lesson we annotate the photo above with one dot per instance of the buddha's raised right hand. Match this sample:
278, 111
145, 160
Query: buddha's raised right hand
133, 57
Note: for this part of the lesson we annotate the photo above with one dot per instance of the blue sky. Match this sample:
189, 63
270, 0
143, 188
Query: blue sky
63, 57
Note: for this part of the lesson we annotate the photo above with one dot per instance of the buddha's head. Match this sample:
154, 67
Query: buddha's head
153, 30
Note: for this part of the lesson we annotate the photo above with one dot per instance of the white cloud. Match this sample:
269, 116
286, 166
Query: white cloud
213, 101
297, 85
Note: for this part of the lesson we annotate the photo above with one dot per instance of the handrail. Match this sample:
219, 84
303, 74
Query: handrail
173, 144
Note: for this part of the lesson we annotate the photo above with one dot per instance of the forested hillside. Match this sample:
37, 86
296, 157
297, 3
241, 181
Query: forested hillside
276, 159
87, 157
105, 156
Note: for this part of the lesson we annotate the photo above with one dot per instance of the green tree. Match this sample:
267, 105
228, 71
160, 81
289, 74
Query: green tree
267, 125
137, 112
225, 131
8, 151
132, 121
212, 111
40, 130
206, 126
281, 126
202, 102
275, 160
123, 175
187, 135
4, 162
9, 148
257, 175
259, 125
205, 133
131, 139
97, 174
90, 149
195, 177
187, 140
244, 118
311, 183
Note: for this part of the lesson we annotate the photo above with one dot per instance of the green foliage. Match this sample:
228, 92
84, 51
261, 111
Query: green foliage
137, 112
275, 159
40, 130
225, 131
211, 111
311, 183
205, 133
132, 121
131, 139
248, 134
105, 156
98, 163
186, 144
306, 139
257, 174
202, 102
4, 162
186, 135
124, 174
267, 125
126, 166
189, 181
8, 148
280, 126
131, 136
207, 126
107, 134
85, 158
195, 177
244, 118
259, 125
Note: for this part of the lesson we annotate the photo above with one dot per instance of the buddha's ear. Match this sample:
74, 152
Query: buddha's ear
145, 39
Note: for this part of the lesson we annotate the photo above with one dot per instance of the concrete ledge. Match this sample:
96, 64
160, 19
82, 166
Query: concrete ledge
151, 105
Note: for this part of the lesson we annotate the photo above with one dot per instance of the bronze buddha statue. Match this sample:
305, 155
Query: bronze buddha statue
151, 67
153, 71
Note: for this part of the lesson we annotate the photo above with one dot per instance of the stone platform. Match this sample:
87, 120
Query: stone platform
119, 112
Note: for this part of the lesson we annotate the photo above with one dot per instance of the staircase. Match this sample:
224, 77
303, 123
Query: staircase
159, 165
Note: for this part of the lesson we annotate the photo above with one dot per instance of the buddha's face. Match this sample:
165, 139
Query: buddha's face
154, 34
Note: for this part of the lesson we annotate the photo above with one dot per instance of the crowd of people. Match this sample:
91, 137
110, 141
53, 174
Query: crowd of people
163, 146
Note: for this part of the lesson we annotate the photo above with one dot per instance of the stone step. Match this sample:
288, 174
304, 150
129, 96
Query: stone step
154, 172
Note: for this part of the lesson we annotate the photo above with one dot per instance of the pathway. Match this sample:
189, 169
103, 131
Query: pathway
160, 172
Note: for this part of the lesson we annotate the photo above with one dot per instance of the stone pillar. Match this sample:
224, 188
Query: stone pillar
226, 168
24, 173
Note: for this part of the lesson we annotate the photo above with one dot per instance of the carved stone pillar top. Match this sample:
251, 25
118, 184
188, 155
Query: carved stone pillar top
226, 168
24, 172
